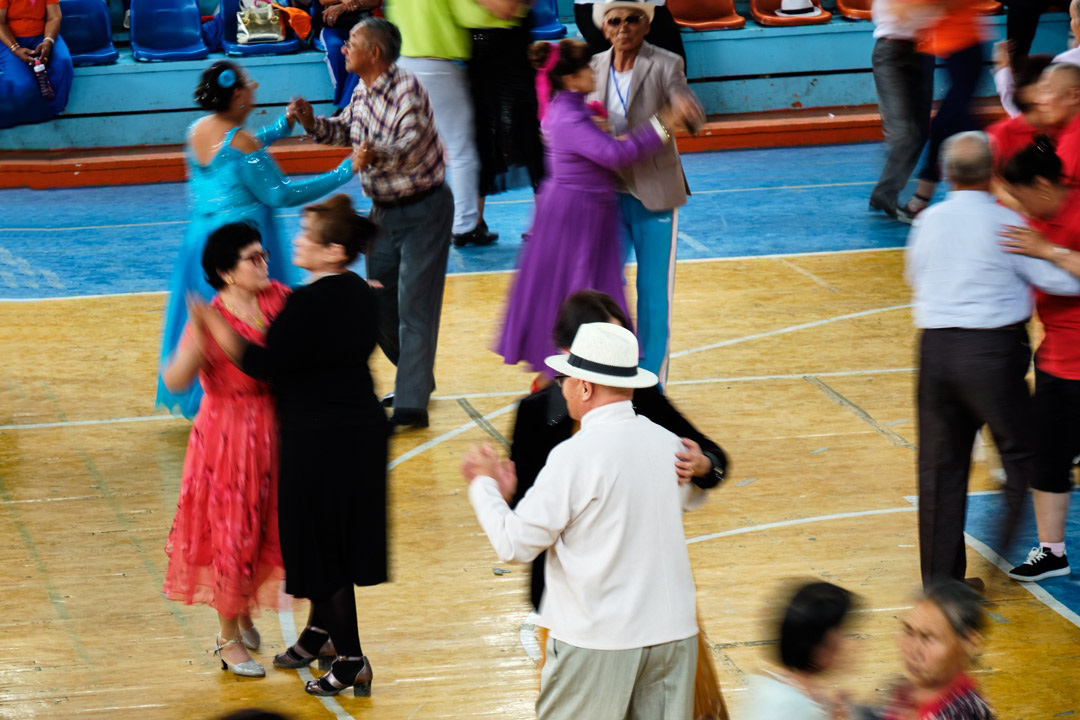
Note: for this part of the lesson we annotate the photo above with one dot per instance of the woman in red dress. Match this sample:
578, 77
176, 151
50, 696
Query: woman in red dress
223, 547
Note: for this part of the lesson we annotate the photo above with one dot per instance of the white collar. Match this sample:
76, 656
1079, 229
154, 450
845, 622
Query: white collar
609, 413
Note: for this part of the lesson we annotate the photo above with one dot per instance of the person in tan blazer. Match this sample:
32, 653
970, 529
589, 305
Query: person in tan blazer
634, 80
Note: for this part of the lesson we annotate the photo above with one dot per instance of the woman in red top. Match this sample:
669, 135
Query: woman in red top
29, 31
1035, 180
1013, 134
939, 637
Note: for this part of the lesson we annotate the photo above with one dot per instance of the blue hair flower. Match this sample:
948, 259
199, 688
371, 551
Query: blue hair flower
227, 78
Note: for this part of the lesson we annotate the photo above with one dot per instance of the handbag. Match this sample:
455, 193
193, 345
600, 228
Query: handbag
257, 21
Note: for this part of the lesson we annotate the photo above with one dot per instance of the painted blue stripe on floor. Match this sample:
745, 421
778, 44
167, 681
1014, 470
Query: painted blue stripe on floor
91, 241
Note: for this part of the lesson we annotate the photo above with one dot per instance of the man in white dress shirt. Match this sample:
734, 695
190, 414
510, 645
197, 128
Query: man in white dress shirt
607, 507
972, 300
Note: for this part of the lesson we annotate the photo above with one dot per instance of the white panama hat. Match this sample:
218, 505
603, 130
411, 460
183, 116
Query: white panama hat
600, 9
605, 354
798, 9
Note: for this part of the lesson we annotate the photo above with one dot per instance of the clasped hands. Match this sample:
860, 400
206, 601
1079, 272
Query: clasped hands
41, 52
685, 112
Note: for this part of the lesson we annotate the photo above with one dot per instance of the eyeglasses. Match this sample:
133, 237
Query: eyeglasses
259, 258
559, 379
630, 20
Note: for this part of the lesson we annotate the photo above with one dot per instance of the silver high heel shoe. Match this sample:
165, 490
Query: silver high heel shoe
248, 668
252, 639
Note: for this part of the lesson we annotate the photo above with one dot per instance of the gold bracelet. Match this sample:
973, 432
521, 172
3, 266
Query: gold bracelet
13, 47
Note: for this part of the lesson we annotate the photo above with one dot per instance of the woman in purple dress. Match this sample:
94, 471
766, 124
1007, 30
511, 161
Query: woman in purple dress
575, 235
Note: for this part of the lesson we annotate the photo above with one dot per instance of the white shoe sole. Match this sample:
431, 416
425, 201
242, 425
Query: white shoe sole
1036, 578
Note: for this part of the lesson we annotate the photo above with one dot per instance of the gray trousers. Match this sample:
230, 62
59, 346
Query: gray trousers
447, 86
409, 259
651, 683
905, 87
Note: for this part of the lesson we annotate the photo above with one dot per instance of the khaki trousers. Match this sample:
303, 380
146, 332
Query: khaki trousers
650, 683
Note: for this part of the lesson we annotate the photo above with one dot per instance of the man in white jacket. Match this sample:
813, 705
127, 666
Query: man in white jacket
607, 507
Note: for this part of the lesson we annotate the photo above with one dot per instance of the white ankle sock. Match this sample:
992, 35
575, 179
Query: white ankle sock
1057, 548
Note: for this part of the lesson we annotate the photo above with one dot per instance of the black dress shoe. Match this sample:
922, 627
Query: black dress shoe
887, 209
408, 419
387, 400
479, 236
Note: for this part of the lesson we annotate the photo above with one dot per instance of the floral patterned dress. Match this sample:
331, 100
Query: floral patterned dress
223, 548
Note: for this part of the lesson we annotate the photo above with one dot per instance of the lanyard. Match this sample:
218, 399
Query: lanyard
615, 82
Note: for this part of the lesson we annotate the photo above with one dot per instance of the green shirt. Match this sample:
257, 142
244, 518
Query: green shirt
434, 28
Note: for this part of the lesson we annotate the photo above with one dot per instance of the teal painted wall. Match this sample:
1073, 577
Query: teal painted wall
754, 69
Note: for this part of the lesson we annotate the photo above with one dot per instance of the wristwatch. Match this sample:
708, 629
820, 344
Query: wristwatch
715, 476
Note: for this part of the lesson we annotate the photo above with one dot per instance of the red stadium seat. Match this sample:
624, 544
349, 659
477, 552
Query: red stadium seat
854, 9
706, 14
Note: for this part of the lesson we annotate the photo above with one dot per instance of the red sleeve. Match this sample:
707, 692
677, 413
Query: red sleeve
49, 2
4, 4
274, 298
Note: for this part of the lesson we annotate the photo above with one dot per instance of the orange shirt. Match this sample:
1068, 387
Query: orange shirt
958, 29
26, 18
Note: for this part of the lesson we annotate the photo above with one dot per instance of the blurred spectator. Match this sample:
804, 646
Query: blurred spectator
435, 46
1003, 77
663, 32
939, 638
29, 31
1059, 101
253, 714
502, 81
1011, 135
904, 79
811, 643
337, 18
955, 38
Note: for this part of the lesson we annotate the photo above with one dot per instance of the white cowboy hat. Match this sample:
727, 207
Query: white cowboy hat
605, 354
798, 9
600, 9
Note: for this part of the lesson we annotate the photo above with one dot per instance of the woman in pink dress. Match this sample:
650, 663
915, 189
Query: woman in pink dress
223, 547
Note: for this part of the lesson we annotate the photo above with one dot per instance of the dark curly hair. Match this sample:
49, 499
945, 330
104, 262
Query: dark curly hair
1037, 160
222, 250
216, 93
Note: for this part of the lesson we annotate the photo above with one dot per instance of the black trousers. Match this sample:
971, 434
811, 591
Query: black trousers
663, 32
1021, 23
967, 379
1057, 413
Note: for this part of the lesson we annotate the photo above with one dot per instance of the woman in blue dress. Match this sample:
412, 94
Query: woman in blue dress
231, 179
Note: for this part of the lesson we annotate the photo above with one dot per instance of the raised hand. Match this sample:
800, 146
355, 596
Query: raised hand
691, 462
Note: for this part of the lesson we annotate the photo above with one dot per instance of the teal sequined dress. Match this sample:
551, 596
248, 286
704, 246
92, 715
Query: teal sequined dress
233, 187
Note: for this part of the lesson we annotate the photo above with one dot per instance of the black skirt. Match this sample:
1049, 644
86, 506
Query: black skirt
503, 85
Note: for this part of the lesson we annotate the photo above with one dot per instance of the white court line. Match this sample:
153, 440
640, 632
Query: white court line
512, 393
1034, 588
474, 396
423, 447
475, 273
77, 423
792, 328
494, 202
288, 635
798, 521
806, 273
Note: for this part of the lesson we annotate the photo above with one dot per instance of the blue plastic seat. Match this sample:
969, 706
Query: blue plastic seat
166, 30
228, 11
87, 31
544, 21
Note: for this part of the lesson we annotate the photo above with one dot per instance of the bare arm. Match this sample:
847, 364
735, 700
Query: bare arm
186, 363
203, 318
8, 38
52, 29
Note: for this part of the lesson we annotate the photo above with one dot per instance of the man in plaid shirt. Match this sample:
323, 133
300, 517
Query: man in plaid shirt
399, 157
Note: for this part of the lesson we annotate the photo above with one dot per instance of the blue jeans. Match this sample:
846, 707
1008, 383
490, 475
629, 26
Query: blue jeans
652, 235
20, 100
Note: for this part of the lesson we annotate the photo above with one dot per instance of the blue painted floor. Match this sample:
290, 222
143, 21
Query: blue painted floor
985, 511
58, 243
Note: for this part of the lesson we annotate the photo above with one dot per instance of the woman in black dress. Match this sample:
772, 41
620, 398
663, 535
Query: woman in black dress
334, 433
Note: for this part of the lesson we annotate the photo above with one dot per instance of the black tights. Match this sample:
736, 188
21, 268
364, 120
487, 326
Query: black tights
337, 615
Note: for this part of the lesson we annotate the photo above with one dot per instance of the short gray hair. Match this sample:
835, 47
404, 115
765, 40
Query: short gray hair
961, 605
968, 158
384, 34
1071, 70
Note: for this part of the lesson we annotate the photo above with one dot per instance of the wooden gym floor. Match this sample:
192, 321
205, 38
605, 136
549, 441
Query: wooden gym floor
801, 367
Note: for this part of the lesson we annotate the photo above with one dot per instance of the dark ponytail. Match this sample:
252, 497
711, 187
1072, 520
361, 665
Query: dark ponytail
1037, 160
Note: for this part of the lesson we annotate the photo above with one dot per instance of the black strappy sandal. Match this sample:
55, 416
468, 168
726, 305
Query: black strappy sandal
297, 657
330, 684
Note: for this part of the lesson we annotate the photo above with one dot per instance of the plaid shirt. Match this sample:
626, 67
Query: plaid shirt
394, 116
